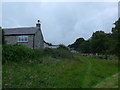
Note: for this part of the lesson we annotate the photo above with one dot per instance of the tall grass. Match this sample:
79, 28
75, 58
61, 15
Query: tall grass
52, 68
57, 73
18, 52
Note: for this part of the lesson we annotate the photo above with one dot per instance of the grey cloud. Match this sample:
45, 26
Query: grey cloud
119, 9
62, 22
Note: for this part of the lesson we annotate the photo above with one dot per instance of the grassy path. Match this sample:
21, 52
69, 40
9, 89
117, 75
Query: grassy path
110, 82
87, 73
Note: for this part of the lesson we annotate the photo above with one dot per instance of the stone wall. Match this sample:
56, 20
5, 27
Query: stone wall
38, 39
13, 40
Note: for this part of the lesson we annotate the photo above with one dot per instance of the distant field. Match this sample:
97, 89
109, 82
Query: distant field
48, 72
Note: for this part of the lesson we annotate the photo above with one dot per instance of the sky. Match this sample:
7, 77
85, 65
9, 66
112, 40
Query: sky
61, 22
119, 9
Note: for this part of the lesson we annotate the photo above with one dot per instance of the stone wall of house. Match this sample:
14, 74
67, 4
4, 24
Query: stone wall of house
46, 45
10, 39
13, 40
39, 42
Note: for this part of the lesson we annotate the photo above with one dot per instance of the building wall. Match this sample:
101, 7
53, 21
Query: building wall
34, 41
38, 39
10, 39
46, 45
13, 40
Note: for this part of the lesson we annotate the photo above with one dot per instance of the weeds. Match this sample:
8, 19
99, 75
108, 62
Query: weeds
18, 52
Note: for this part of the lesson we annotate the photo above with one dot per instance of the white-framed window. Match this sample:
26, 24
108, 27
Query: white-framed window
22, 38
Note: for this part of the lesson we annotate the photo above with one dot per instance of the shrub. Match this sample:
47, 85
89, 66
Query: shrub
19, 52
61, 46
16, 52
54, 53
58, 53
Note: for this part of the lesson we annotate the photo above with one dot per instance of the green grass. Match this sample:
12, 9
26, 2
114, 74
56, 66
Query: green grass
0, 66
49, 72
110, 82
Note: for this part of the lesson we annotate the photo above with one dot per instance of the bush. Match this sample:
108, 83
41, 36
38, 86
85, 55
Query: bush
16, 52
19, 52
58, 53
61, 46
54, 53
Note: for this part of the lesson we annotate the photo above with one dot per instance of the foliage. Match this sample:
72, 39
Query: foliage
16, 52
76, 44
85, 47
116, 36
81, 45
98, 42
110, 44
0, 35
61, 46
58, 53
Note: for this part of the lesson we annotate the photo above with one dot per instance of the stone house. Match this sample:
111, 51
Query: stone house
29, 36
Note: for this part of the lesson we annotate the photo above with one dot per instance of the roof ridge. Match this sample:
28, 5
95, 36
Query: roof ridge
23, 30
20, 28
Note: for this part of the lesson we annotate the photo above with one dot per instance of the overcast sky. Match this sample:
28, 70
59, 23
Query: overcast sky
62, 22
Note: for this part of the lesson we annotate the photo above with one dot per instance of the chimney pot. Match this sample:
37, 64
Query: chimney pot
38, 24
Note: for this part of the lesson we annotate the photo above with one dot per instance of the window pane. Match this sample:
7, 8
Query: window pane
19, 39
22, 38
25, 38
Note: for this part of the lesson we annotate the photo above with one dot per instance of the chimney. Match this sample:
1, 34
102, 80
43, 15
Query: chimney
38, 24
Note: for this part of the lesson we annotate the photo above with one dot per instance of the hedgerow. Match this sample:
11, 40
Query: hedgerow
16, 52
19, 52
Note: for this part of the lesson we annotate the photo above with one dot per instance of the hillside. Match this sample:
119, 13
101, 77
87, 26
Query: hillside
53, 72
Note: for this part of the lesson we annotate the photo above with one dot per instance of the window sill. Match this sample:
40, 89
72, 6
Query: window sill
22, 42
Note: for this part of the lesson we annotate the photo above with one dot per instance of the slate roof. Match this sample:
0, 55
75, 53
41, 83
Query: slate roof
20, 31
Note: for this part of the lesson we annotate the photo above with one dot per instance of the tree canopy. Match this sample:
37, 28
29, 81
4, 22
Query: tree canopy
100, 42
77, 43
116, 37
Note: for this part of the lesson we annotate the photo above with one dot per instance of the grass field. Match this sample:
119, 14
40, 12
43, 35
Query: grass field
48, 72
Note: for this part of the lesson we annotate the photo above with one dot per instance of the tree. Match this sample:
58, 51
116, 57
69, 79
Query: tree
116, 37
0, 35
109, 43
85, 47
76, 44
98, 42
62, 46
